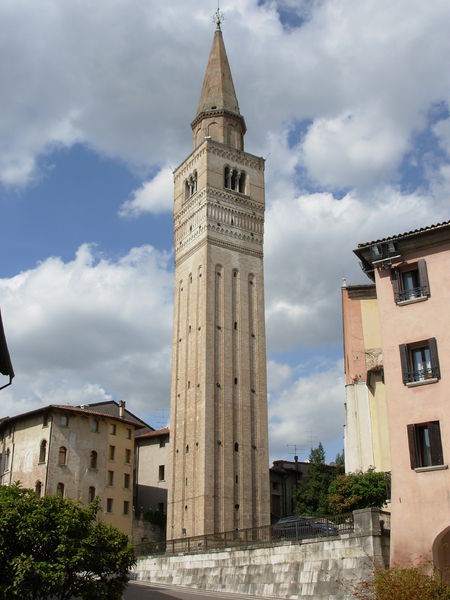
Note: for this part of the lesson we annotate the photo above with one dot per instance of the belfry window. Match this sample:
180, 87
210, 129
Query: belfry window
234, 180
190, 185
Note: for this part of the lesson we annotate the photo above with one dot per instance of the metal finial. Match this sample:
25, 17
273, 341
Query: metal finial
218, 17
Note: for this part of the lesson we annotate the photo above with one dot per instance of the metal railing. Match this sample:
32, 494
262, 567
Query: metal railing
292, 531
422, 374
411, 293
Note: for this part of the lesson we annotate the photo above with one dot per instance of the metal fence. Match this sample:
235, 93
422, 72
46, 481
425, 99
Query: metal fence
291, 530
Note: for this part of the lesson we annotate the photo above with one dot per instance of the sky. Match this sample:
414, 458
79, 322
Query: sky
347, 101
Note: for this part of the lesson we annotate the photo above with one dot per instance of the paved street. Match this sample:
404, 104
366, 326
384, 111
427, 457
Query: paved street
145, 591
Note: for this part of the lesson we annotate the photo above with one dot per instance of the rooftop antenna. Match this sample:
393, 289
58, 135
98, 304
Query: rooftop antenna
218, 17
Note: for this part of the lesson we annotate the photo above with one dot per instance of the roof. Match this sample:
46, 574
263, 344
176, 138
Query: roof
152, 434
112, 408
407, 234
71, 409
218, 88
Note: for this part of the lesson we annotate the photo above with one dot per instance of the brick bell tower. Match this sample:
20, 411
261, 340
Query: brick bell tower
218, 427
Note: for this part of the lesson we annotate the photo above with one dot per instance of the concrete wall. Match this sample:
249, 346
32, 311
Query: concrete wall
329, 569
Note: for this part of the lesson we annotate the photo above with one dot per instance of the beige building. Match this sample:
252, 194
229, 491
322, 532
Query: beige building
411, 272
76, 452
366, 436
219, 440
152, 473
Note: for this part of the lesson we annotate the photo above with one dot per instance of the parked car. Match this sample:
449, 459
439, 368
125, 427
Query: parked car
301, 526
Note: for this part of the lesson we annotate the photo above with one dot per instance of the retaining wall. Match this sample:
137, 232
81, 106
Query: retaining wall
321, 569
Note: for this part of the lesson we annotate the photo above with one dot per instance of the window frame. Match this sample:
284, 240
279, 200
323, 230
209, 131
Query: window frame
162, 471
410, 376
416, 450
404, 295
62, 456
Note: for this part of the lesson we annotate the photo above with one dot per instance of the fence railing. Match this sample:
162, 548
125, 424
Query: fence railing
291, 530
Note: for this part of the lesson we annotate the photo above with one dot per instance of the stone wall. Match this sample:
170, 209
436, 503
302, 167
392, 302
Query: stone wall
320, 569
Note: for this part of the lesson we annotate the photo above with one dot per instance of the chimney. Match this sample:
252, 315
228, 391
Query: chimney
121, 408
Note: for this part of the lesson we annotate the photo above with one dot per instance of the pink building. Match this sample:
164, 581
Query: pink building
412, 276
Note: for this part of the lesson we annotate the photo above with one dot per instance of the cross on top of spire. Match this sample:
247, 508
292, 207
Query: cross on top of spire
218, 17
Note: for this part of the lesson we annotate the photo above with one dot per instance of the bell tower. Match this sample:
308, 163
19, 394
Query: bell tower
218, 427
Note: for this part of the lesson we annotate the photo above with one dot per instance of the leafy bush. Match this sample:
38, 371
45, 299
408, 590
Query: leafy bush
357, 490
409, 583
54, 548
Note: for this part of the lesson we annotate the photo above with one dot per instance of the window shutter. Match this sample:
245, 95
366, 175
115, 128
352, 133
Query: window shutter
423, 276
395, 278
404, 362
412, 446
435, 370
434, 432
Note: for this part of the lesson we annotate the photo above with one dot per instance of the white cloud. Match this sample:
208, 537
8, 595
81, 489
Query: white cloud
131, 88
91, 328
297, 413
154, 196
308, 250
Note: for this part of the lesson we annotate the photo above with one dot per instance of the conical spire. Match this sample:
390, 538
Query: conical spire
218, 117
218, 89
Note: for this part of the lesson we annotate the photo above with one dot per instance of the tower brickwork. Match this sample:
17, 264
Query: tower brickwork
219, 440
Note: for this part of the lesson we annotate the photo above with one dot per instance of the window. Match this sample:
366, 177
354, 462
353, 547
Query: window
410, 282
95, 425
91, 494
128, 456
62, 456
110, 477
128, 434
126, 480
112, 429
112, 452
42, 451
190, 185
93, 460
38, 489
109, 505
162, 442
64, 421
234, 180
7, 455
60, 490
126, 507
419, 361
161, 473
425, 446
45, 420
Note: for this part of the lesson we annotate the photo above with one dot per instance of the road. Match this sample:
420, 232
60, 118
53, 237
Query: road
149, 591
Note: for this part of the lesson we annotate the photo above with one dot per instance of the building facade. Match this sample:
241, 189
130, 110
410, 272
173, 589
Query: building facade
75, 452
411, 272
219, 440
152, 473
366, 437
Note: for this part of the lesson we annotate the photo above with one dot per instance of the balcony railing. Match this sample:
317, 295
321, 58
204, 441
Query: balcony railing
422, 374
411, 294
293, 531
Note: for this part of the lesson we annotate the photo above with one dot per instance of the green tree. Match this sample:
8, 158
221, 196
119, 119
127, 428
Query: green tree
311, 493
357, 490
54, 548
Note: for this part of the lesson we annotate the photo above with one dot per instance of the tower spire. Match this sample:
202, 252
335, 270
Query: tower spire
218, 108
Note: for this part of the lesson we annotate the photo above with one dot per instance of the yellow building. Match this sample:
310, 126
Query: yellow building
76, 452
366, 439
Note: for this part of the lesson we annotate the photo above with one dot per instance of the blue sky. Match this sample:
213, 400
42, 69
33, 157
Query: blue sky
348, 104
